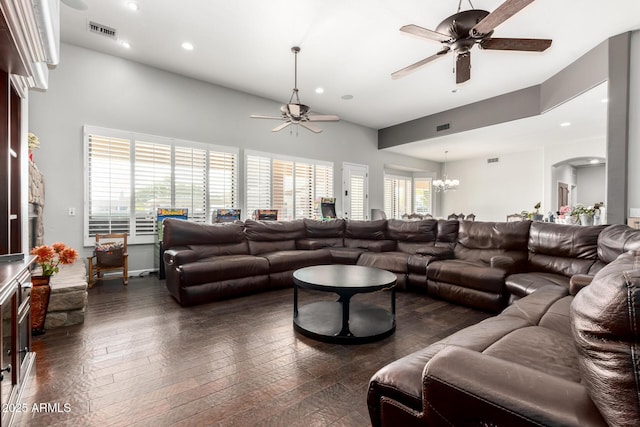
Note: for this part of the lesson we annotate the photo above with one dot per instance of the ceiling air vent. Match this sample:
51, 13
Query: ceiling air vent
493, 160
103, 30
440, 128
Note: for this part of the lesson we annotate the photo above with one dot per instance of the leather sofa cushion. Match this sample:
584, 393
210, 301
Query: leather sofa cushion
506, 236
448, 230
370, 230
274, 231
561, 240
412, 231
414, 247
605, 317
523, 284
391, 261
468, 275
263, 247
615, 240
178, 232
220, 249
370, 245
292, 260
543, 349
222, 268
318, 229
347, 256
560, 265
319, 242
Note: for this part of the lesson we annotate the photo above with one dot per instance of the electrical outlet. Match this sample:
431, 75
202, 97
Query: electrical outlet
72, 211
635, 212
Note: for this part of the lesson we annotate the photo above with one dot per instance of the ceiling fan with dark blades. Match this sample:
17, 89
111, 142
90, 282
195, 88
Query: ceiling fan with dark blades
296, 113
463, 30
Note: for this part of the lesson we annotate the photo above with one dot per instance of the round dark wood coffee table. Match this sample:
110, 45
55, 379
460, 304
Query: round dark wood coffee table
340, 321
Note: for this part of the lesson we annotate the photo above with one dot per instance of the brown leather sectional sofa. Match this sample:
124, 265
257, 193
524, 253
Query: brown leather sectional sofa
564, 351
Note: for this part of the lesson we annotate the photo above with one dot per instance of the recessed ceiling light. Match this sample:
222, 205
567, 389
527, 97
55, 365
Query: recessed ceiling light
347, 97
594, 161
565, 124
319, 90
604, 100
133, 6
187, 46
125, 44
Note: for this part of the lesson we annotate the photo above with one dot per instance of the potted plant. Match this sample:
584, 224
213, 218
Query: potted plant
49, 259
536, 215
584, 214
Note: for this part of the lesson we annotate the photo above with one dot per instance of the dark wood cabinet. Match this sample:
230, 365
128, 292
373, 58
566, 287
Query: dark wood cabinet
17, 361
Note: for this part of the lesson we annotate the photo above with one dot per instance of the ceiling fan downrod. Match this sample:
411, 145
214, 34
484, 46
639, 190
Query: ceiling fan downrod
295, 51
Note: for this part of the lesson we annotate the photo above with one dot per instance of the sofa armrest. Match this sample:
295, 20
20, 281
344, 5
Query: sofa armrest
436, 252
381, 246
493, 391
180, 256
579, 281
503, 262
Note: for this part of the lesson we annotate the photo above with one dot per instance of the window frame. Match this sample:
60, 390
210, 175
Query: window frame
136, 237
295, 190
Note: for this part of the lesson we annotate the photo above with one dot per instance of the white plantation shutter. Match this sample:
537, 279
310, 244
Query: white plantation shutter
324, 180
423, 195
152, 179
258, 183
282, 187
357, 197
130, 176
108, 182
223, 179
397, 196
304, 190
190, 182
288, 184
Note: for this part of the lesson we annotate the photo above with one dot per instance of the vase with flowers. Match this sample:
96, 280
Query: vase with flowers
49, 260
584, 214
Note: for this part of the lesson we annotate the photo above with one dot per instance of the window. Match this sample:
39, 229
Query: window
287, 184
129, 176
397, 196
422, 196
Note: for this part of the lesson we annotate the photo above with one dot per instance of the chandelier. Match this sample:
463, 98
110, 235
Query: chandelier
445, 184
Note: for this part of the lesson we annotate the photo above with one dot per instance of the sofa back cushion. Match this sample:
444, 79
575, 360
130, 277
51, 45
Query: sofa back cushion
424, 230
321, 229
480, 241
205, 239
563, 249
605, 319
370, 230
615, 240
271, 236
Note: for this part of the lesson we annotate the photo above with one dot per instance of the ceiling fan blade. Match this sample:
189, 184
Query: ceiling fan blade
529, 45
413, 67
324, 118
505, 11
312, 128
463, 67
259, 116
294, 109
280, 127
423, 32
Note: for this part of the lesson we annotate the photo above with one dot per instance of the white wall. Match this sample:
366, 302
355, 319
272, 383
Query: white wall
633, 192
491, 191
591, 185
555, 154
97, 89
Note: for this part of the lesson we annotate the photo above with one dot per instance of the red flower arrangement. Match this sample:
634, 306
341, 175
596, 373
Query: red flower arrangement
50, 257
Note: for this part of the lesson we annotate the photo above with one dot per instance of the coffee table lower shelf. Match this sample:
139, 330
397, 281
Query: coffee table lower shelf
323, 321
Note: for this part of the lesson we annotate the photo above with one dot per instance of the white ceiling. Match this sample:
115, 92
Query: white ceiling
348, 47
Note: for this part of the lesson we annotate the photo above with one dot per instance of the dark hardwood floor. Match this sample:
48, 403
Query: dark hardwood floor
141, 359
